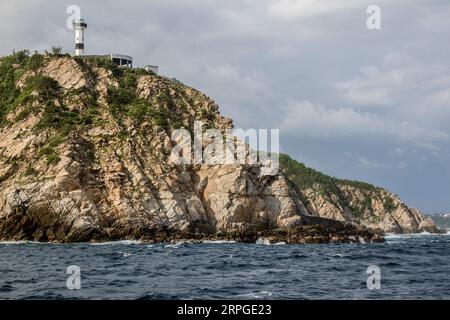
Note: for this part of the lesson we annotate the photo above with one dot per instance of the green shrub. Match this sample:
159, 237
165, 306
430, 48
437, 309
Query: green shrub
58, 117
50, 154
53, 159
389, 205
19, 57
35, 62
47, 87
56, 51
123, 135
100, 62
139, 110
31, 171
8, 90
24, 114
305, 178
160, 118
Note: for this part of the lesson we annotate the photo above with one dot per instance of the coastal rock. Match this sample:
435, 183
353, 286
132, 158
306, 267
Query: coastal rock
87, 158
355, 202
111, 178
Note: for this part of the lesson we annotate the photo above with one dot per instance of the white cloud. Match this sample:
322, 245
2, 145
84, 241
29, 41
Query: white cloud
435, 20
307, 118
398, 79
316, 120
399, 151
372, 164
439, 98
402, 165
291, 9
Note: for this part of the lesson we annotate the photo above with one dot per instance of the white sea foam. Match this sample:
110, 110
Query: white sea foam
266, 242
21, 242
392, 236
176, 245
125, 254
399, 238
217, 241
409, 235
172, 245
258, 295
263, 241
335, 255
112, 243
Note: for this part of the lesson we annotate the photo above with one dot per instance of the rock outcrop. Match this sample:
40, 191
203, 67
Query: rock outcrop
355, 202
85, 156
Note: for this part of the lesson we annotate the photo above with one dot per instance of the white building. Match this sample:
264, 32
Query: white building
79, 25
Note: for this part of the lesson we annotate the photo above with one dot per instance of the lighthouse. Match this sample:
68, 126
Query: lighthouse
79, 26
121, 60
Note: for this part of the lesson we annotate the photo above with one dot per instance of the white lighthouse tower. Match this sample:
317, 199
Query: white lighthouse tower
79, 26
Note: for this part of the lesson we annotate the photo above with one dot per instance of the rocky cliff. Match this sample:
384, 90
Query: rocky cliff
354, 201
85, 155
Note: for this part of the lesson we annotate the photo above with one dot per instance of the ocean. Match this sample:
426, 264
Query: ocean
410, 267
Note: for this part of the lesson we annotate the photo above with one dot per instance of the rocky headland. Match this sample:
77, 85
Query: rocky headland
85, 156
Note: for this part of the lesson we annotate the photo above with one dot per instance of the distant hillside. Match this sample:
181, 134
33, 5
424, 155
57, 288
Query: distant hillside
442, 220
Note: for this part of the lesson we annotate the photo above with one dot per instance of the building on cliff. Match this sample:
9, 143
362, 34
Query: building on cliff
121, 60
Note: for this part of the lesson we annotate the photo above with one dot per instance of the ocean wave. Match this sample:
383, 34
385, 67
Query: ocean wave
409, 235
402, 238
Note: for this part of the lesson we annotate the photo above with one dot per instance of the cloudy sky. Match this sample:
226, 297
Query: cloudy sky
351, 102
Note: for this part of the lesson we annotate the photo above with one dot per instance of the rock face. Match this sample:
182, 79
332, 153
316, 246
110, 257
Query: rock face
355, 202
85, 156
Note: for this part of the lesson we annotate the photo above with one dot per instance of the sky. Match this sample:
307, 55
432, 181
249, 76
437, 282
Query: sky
370, 105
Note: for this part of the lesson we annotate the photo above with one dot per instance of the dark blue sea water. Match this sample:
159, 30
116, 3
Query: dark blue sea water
414, 266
